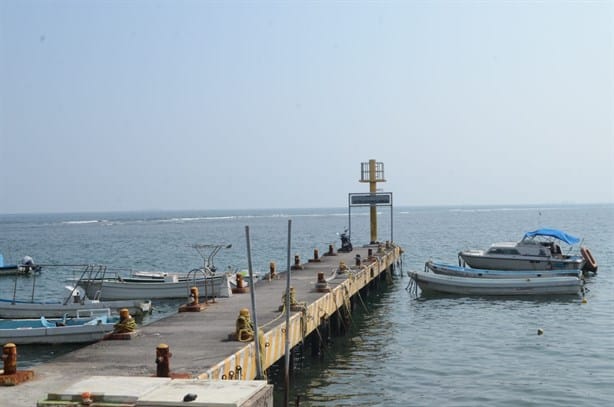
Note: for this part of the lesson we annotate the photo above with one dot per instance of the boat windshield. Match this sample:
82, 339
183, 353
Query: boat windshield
503, 250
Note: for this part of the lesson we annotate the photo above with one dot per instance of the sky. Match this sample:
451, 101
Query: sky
140, 105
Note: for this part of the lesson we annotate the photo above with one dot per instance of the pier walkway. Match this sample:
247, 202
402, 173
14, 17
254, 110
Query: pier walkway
199, 341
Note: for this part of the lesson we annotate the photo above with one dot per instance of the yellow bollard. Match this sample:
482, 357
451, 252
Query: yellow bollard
244, 327
272, 267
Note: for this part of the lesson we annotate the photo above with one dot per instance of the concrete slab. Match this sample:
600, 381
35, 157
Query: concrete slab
113, 389
208, 393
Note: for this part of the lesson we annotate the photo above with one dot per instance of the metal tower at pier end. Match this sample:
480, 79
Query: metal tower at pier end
371, 172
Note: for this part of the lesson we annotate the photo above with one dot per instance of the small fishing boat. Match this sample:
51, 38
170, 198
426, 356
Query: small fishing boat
87, 326
458, 271
537, 250
75, 301
26, 266
432, 282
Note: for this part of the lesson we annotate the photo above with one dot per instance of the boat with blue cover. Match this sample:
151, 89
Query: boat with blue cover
537, 250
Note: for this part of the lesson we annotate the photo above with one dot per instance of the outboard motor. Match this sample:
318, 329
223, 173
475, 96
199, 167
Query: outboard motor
346, 244
27, 263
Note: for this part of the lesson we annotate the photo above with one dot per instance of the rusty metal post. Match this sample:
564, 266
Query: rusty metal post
272, 267
9, 357
163, 355
322, 284
316, 254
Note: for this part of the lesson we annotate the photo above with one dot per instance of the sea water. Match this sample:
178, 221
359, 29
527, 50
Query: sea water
402, 349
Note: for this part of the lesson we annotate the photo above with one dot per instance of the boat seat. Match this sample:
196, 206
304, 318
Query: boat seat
46, 323
95, 321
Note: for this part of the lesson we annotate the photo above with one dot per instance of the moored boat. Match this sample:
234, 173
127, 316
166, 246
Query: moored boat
537, 250
120, 289
432, 282
88, 326
26, 266
459, 271
75, 301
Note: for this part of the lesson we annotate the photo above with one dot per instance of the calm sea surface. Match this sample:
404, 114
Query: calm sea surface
403, 350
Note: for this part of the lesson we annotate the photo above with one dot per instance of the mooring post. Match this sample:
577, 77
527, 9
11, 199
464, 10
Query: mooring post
163, 356
9, 357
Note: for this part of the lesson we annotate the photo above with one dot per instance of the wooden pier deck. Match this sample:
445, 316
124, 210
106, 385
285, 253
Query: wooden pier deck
199, 341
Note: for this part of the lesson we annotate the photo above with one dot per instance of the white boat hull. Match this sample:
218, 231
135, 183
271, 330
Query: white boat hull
457, 271
489, 286
216, 286
479, 260
15, 310
36, 333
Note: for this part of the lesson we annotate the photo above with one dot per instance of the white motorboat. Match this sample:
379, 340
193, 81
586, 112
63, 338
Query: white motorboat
170, 287
458, 271
88, 326
432, 282
159, 285
537, 250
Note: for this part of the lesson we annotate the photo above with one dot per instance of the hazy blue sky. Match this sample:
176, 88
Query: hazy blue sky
129, 105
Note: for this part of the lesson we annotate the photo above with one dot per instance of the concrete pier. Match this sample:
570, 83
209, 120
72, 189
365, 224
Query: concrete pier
199, 342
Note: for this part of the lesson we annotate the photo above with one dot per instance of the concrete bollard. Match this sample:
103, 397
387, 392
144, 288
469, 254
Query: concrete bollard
163, 356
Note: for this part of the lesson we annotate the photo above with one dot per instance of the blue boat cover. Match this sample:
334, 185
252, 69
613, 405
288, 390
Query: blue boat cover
558, 234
